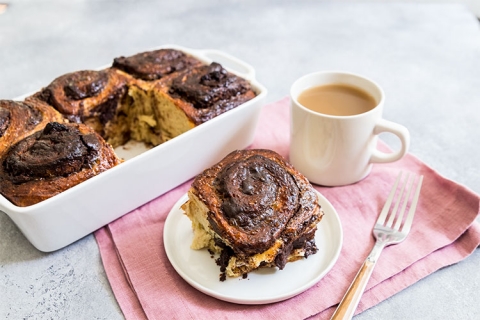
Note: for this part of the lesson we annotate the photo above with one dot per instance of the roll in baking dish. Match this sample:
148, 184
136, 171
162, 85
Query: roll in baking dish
150, 97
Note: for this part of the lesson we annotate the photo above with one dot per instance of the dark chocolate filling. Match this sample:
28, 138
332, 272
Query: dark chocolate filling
58, 150
108, 109
222, 260
306, 242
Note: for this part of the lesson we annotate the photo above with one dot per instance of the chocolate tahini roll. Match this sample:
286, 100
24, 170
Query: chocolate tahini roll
91, 97
53, 160
20, 119
210, 90
255, 209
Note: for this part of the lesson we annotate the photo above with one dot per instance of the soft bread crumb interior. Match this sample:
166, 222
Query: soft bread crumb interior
146, 114
203, 237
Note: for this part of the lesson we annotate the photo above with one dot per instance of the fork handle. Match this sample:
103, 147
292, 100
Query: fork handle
349, 303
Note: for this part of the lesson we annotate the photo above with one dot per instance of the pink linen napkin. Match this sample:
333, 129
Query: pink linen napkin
444, 232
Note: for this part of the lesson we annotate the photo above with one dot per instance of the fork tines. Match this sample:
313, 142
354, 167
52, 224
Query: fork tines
408, 201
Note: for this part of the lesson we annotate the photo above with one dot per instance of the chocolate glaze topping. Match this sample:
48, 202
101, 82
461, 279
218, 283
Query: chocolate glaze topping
84, 84
252, 191
208, 85
258, 198
154, 65
75, 87
58, 150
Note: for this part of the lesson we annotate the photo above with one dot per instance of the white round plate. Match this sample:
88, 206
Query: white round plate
262, 286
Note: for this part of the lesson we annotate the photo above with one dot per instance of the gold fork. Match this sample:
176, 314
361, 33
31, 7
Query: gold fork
385, 234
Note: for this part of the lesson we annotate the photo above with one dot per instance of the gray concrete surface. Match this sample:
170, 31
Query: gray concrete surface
426, 57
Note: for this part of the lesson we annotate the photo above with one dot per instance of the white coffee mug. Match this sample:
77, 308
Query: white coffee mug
339, 150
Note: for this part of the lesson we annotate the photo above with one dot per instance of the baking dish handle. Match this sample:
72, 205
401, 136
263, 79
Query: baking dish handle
240, 67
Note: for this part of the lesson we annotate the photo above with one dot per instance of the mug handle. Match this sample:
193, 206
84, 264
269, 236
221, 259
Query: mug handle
400, 131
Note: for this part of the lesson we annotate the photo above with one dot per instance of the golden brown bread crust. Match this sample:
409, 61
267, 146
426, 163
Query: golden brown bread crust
258, 206
91, 97
83, 94
51, 161
156, 64
20, 119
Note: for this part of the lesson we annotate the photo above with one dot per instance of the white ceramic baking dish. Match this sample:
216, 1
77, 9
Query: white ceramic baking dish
145, 175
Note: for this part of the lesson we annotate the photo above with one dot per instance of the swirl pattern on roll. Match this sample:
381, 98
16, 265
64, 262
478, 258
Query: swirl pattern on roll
85, 94
20, 119
255, 198
251, 190
58, 150
211, 90
52, 160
